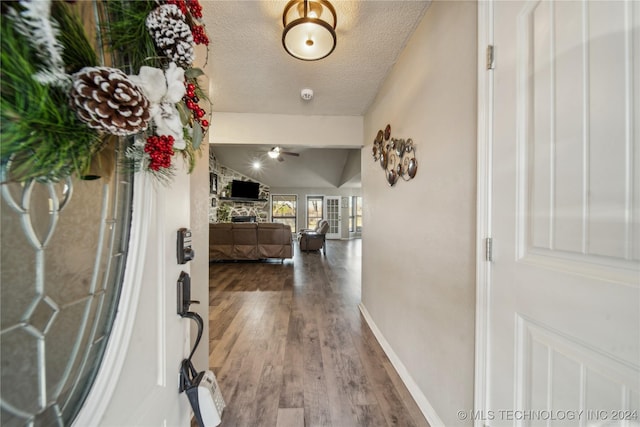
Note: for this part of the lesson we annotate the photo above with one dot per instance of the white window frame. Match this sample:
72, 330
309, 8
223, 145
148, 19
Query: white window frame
309, 197
295, 216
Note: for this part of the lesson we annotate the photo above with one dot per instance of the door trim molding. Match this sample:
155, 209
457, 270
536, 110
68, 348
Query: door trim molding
483, 209
99, 397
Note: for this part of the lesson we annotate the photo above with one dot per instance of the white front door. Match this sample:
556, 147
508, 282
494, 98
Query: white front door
562, 307
332, 214
141, 387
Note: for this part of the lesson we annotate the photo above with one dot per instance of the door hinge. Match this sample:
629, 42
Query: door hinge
490, 58
488, 249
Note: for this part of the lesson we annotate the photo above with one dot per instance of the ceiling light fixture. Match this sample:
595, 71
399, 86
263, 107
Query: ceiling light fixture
277, 152
309, 29
274, 152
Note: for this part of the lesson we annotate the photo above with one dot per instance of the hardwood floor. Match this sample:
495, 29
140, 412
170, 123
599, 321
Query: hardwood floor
290, 348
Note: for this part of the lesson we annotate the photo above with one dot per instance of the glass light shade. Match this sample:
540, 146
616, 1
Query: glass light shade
309, 29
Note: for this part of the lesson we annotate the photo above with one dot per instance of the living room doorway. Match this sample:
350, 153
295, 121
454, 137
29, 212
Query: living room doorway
332, 215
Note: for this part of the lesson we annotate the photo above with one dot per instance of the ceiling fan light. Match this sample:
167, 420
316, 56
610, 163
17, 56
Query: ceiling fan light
309, 29
274, 152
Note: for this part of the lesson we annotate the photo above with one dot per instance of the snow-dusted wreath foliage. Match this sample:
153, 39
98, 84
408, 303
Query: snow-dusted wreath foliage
35, 23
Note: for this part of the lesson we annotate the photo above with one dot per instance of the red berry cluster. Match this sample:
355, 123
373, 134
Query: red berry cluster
192, 6
195, 8
191, 101
160, 149
182, 5
199, 35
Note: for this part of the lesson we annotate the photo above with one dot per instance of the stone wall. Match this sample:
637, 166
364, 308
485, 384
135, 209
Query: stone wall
223, 210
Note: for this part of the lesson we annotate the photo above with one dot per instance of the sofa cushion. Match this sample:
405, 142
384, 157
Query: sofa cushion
274, 240
245, 240
222, 235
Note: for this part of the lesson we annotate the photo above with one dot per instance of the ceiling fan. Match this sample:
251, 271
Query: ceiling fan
277, 152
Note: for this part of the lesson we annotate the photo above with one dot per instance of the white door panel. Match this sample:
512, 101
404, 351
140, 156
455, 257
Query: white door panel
147, 391
564, 296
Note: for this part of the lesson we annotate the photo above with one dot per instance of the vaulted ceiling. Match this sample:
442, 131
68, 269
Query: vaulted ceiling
250, 72
313, 168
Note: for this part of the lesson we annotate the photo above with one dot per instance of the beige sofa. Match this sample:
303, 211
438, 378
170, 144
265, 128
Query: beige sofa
249, 241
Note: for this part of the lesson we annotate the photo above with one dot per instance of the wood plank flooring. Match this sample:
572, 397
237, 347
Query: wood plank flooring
290, 348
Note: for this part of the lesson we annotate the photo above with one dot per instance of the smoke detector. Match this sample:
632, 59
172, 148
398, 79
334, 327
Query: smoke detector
306, 94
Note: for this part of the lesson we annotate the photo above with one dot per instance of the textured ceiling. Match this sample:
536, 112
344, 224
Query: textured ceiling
314, 168
250, 71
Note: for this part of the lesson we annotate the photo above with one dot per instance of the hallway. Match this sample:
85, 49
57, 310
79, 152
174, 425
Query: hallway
290, 348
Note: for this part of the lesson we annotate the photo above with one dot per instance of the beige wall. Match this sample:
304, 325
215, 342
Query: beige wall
418, 240
287, 130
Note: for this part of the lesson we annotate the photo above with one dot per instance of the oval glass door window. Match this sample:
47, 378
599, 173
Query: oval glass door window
64, 248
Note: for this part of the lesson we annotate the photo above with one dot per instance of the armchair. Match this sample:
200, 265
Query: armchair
314, 239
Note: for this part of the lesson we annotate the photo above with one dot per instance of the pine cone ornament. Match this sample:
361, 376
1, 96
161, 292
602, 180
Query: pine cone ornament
107, 100
171, 34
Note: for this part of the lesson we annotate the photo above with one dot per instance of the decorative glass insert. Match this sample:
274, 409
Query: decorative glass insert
63, 252
333, 214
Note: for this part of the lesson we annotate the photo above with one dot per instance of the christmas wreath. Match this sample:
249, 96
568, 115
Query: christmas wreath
59, 106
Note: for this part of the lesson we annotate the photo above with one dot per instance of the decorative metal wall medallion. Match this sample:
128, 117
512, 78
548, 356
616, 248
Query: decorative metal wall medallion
396, 156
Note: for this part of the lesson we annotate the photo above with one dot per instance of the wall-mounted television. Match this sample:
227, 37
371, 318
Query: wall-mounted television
245, 190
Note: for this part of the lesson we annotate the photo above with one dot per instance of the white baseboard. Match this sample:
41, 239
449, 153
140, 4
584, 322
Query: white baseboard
421, 400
